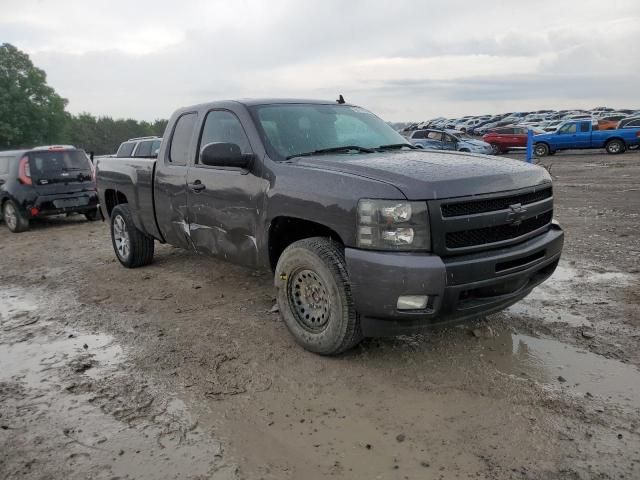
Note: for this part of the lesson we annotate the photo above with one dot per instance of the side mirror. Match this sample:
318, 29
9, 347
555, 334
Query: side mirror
221, 154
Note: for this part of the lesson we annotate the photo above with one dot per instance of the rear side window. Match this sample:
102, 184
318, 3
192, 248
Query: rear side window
4, 165
181, 139
419, 134
144, 149
584, 127
125, 149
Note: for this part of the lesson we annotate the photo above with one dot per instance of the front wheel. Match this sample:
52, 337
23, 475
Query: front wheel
133, 248
495, 149
615, 146
15, 221
541, 149
315, 298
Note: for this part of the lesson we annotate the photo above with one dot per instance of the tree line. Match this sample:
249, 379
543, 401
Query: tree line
32, 113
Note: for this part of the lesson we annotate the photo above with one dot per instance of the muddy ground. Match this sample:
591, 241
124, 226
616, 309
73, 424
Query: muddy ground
179, 370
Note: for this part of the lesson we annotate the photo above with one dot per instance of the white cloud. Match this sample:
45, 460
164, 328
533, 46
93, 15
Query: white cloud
406, 59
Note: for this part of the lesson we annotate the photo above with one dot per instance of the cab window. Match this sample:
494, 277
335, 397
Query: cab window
125, 149
144, 149
568, 128
224, 126
181, 139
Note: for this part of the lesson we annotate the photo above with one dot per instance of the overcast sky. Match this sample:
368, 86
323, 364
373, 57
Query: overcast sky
405, 60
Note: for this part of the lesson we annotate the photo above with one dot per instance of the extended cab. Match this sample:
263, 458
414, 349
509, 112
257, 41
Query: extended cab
366, 235
580, 134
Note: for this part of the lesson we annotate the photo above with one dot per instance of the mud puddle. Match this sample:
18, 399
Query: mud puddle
559, 365
571, 294
71, 407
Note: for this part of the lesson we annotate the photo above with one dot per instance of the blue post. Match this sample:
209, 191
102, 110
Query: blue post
529, 146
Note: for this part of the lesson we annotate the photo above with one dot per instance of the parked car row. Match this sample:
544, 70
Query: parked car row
549, 120
509, 130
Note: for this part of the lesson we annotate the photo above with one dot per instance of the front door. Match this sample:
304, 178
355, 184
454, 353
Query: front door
566, 136
223, 201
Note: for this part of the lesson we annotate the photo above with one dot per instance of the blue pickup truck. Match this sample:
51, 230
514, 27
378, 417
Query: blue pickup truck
580, 134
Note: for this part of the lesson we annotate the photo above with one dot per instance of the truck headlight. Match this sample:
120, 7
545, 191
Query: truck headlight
393, 225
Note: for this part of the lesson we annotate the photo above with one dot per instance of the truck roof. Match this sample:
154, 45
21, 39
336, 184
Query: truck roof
250, 102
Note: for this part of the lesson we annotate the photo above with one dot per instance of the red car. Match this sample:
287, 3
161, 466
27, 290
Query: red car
504, 138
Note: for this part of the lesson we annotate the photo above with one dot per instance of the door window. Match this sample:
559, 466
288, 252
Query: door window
435, 136
224, 126
144, 149
568, 128
181, 139
125, 149
584, 127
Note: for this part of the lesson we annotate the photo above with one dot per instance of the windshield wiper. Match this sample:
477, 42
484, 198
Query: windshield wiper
322, 151
398, 146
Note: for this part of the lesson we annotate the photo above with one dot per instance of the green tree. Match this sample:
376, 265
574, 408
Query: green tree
31, 112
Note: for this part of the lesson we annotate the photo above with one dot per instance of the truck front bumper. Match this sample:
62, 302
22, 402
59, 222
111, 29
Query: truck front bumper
458, 288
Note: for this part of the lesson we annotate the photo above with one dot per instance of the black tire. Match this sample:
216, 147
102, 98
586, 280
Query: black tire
615, 146
466, 150
15, 221
541, 149
133, 248
495, 149
91, 215
312, 273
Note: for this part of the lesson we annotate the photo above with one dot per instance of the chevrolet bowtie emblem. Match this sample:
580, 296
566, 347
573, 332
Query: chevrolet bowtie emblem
516, 214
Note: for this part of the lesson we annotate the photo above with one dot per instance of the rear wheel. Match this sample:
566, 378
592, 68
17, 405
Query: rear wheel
15, 221
541, 149
495, 149
133, 248
315, 298
615, 146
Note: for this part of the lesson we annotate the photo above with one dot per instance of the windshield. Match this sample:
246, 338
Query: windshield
295, 129
49, 166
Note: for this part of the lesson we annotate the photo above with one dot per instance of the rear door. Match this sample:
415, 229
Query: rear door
519, 138
223, 201
170, 189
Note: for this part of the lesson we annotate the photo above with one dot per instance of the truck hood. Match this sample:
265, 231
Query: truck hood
425, 175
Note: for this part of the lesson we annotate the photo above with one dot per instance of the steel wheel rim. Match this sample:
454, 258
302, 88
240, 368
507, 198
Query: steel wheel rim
614, 147
121, 237
540, 151
494, 149
309, 300
10, 216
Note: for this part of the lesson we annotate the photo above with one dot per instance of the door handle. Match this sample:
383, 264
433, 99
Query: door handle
197, 186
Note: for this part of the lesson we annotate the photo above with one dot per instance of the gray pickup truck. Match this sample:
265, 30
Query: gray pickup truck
366, 235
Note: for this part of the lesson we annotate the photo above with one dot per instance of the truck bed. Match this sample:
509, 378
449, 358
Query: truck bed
132, 177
